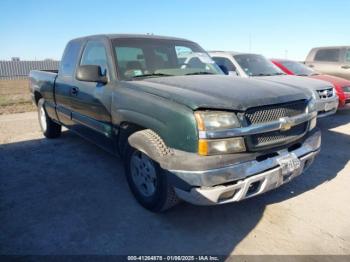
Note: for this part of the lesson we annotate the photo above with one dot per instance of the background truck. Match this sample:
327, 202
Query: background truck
332, 60
183, 129
257, 66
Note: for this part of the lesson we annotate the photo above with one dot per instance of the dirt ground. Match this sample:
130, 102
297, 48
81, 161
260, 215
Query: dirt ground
67, 196
15, 97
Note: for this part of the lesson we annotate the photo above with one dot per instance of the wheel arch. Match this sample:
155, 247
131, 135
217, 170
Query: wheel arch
37, 97
143, 139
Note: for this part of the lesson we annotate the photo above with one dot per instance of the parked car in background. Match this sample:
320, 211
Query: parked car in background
183, 128
342, 86
259, 67
333, 60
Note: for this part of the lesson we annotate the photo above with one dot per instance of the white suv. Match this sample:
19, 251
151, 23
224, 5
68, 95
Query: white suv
254, 65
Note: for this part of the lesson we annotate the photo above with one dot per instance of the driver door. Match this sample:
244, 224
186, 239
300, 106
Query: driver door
91, 101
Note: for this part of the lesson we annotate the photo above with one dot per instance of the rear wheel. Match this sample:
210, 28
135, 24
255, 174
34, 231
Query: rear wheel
148, 182
49, 128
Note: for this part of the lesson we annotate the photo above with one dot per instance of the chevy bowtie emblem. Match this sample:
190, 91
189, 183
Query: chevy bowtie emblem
285, 123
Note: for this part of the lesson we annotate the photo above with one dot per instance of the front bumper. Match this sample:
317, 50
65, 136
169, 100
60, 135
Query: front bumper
244, 180
326, 107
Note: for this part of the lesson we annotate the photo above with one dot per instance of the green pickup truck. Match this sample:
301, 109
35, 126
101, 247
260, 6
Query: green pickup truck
183, 129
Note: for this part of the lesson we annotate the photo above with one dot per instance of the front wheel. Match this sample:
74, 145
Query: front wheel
148, 182
49, 128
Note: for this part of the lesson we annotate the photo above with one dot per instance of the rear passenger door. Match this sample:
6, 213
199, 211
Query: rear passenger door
91, 101
65, 81
328, 61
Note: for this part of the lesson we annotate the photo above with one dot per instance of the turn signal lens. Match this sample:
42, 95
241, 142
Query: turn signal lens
221, 146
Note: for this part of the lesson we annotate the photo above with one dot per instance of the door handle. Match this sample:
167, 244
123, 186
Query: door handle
345, 66
74, 91
311, 66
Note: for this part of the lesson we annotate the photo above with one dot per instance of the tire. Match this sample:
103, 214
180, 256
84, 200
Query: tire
158, 198
49, 128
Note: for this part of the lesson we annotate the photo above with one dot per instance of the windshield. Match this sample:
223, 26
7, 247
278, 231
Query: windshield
140, 58
298, 68
257, 65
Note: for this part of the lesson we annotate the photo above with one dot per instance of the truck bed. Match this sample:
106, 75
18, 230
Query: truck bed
42, 82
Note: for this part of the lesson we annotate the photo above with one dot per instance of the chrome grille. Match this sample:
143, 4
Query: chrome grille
325, 93
271, 113
257, 115
278, 136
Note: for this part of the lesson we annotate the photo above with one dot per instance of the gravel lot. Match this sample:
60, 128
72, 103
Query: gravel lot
67, 196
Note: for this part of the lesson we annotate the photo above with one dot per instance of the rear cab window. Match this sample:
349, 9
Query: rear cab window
347, 56
70, 58
328, 55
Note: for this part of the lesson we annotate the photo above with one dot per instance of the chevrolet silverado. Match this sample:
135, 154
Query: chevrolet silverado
183, 129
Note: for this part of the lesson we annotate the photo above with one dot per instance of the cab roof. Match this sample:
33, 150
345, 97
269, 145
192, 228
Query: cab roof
145, 36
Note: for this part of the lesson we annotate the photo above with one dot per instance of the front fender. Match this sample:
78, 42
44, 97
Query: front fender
173, 122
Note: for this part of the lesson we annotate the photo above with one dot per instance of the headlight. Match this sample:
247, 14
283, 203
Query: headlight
311, 107
218, 121
346, 89
313, 123
334, 92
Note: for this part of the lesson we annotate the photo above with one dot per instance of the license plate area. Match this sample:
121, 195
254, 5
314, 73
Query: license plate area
289, 163
329, 106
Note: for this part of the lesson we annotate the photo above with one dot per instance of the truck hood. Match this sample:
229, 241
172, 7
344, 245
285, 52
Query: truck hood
219, 91
298, 81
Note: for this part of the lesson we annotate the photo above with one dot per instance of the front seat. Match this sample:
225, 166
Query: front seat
133, 68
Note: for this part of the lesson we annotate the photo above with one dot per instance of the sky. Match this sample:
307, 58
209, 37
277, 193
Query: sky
39, 29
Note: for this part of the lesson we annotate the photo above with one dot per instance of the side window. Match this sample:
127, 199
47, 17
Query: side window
131, 61
225, 62
347, 55
69, 59
95, 54
327, 55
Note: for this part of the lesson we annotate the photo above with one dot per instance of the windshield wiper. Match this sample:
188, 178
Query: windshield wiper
261, 74
200, 73
302, 75
149, 75
279, 74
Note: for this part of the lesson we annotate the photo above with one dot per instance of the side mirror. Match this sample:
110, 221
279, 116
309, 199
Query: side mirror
91, 73
224, 69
